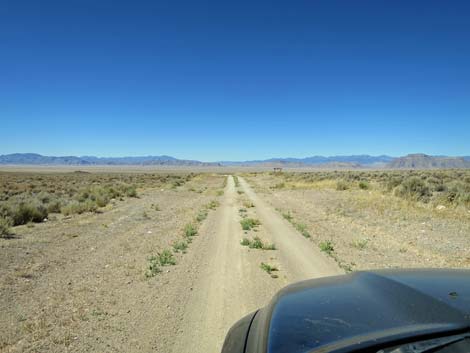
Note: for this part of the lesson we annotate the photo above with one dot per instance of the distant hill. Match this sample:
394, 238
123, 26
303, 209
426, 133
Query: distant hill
37, 159
423, 161
411, 161
344, 161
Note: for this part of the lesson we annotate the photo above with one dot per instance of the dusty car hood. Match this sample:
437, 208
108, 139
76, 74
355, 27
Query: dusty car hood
360, 310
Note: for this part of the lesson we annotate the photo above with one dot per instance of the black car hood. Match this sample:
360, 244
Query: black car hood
360, 310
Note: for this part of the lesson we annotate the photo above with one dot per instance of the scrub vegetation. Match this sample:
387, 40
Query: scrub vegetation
26, 197
435, 187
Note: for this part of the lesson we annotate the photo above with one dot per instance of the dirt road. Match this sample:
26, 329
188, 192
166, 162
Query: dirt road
77, 285
230, 282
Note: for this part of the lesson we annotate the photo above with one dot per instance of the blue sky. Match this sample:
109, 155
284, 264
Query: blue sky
235, 80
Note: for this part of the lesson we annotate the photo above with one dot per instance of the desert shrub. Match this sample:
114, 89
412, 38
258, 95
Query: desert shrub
212, 205
342, 185
76, 207
436, 184
101, 200
235, 179
267, 246
190, 230
327, 246
268, 268
102, 195
360, 244
363, 185
202, 215
5, 224
458, 193
249, 223
287, 216
153, 267
166, 258
414, 188
392, 182
180, 246
245, 242
130, 190
257, 243
248, 204
25, 211
54, 206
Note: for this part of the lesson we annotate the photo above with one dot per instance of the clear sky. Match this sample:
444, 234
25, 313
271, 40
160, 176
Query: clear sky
235, 80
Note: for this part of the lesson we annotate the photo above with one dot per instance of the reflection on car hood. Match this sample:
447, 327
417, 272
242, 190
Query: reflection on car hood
339, 314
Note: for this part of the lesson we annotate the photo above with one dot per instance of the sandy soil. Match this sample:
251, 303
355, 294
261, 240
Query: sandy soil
77, 284
369, 230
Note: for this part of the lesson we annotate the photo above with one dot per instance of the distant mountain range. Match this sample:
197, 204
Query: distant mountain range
359, 160
423, 161
37, 159
411, 161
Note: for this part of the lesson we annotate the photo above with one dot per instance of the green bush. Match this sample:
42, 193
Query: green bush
249, 223
245, 242
327, 246
27, 211
166, 258
180, 246
235, 179
287, 216
342, 185
363, 185
5, 224
190, 230
268, 268
76, 207
130, 191
458, 193
414, 188
213, 204
392, 182
202, 215
153, 267
257, 243
54, 206
302, 228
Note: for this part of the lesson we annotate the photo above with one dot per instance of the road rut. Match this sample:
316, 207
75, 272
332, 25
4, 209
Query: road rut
229, 282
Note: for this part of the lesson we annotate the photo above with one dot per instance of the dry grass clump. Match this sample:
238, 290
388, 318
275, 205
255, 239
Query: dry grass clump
447, 187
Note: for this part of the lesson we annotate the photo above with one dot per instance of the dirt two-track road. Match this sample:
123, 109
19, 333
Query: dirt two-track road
77, 284
229, 282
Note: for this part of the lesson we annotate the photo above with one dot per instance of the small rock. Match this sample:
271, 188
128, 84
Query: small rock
440, 207
149, 232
